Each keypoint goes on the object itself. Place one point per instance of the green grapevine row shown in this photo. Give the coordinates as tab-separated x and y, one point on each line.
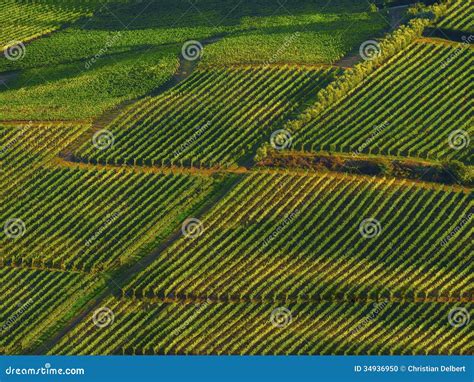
26	147
32	300
237	328
24	21
459	17
90	220
213	118
410	106
297	237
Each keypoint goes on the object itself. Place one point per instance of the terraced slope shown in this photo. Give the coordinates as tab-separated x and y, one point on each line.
237	328
309	237
419	104
33	301
214	118
91	220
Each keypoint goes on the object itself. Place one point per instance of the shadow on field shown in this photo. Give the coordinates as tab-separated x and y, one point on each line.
210	13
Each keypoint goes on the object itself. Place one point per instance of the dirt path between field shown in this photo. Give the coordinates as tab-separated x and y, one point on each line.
123	276
61	162
185	69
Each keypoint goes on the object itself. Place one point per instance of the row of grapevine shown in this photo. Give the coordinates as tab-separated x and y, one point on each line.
28	144
311	237
213	118
24	148
301	328
417	105
34	300
459	16
90	220
23	21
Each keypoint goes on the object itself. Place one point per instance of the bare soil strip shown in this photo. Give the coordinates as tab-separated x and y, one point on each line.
61	162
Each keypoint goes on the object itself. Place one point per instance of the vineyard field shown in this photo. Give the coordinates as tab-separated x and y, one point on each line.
114	214
211	119
371	119
33	301
237	328
74	92
222	177
24	146
286	238
297	37
23	21
459	18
